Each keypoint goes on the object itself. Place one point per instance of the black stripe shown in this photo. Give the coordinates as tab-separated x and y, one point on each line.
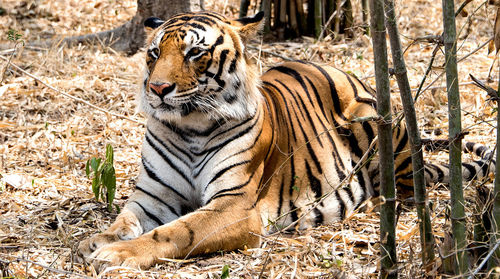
153	176
180	150
362	184
318	98
137	187
149	214
218	42
285	105
439	172
225	195
304	108
471	169
222	171
197	26
231	128
341	205
429	173
222	61
240	134
293	208
484	166
402	143
169	150
231	189
318	219
355	89
232	66
406	162
166	159
333	91
314	182
244	150
280	201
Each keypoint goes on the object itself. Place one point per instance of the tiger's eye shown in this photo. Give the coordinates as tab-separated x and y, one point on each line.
154	53
195	51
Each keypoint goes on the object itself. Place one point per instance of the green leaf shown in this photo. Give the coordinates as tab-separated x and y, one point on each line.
225	272
109	181
95	187
109	154
117	208
87	168
94	163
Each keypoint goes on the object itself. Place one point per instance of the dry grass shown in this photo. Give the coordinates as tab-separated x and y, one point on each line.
46	205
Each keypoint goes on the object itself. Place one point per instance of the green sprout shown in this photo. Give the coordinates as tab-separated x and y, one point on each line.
103	177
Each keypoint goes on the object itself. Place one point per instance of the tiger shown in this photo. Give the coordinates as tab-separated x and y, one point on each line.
229	156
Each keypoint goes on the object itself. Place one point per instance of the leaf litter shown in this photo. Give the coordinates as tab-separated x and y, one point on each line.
46	201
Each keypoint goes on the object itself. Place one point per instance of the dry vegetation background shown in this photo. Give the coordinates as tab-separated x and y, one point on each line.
47	206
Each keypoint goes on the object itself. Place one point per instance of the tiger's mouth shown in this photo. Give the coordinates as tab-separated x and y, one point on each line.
181	98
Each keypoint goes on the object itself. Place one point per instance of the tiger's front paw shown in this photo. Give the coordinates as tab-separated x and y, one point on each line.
88	246
135	253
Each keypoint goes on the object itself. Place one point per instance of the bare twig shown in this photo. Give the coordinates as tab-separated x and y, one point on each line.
484	260
461	8
71	96
489	90
434	52
458	61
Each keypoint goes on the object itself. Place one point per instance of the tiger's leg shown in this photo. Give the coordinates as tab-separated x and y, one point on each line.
125	227
226	223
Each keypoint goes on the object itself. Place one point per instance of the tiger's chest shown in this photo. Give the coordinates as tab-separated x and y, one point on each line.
184	164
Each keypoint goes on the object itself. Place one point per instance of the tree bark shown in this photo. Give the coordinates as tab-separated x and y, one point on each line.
495	259
388	260
455	129
130	36
426	238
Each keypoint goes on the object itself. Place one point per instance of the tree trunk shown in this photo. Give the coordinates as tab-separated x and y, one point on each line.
495	259
417	159
455	129
130	36
388	260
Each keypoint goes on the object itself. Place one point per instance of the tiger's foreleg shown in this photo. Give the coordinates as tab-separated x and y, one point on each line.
125	227
227	223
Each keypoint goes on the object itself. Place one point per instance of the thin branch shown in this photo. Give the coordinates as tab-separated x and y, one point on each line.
460	9
483	262
71	96
489	90
458	61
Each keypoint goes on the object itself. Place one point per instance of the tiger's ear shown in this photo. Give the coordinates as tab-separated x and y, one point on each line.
152	23
248	27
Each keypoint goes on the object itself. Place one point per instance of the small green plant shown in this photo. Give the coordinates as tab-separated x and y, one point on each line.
13	35
225	272
103	177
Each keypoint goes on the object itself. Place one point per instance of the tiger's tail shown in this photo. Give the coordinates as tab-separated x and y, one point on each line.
475	170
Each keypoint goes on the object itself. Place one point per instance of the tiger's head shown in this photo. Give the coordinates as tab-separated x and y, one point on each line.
196	64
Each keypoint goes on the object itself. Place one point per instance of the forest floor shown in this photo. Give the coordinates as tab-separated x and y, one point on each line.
46	202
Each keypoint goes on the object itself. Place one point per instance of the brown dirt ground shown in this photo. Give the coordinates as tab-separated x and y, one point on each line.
46	205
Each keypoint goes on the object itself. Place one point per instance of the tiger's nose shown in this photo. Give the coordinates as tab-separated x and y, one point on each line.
161	88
